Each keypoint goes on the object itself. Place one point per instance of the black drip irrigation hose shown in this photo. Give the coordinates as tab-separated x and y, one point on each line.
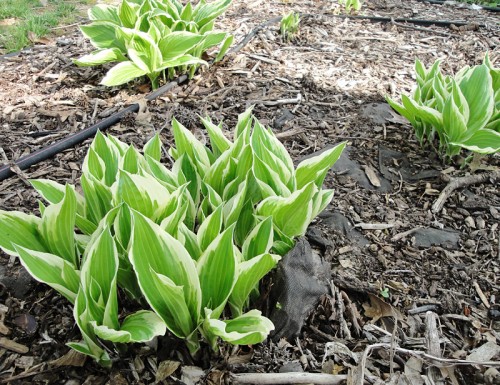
442	2
76	138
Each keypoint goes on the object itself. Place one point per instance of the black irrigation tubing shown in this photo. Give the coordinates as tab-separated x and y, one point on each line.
44	153
442	2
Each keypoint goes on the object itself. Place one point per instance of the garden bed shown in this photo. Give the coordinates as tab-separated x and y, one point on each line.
392	257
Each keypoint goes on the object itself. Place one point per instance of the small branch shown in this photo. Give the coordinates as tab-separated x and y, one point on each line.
288	378
457	183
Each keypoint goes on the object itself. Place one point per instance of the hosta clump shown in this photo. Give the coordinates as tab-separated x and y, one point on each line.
192	241
152	38
461	111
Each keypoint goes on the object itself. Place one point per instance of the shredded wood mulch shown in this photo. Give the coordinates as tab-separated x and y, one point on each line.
413	297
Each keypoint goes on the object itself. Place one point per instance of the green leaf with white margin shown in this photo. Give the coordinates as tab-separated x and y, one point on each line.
162	174
104	12
426	114
189	240
101	56
218	140
51	270
320	201
186	143
122	73
248	329
244	124
270	181
153	148
477	89
290	214
141	326
483	141
177	44
210	228
259	240
58	227
127	12
249	274
108	151
265	137
314	169
131	161
17	228
233	207
53	192
142	193
224	48
90	345
93	165
217	272
98	198
454	122
167	275
103	35
209	11
100	270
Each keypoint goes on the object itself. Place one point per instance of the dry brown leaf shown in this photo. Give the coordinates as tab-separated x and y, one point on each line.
71	358
165	369
372	176
378	309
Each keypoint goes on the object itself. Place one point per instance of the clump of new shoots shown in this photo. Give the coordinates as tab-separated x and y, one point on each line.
289	25
350	5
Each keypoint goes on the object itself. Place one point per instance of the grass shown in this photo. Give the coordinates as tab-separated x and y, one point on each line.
22	21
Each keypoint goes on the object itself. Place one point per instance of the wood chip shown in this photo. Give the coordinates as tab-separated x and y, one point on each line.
13	346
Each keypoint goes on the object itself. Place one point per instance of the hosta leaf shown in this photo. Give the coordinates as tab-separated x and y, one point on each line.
94	165
102	56
104	12
209	11
477	89
217	271
426	114
127	13
57	227
259	240
52	270
211	39
190	241
224	48
249	274
143	51
103	35
290	214
271	185
186	143
162	174
167	275
17	228
217	139
131	161
247	329
234	205
320	201
141	326
314	169
177	44
98	198
210	228
454	122
483	141
153	148
109	154
122	73
184	60
244	123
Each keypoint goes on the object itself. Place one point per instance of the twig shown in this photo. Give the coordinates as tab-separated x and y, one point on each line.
432	342
287	378
457	183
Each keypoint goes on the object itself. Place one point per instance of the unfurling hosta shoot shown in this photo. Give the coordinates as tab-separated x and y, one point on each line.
191	241
289	25
460	112
153	38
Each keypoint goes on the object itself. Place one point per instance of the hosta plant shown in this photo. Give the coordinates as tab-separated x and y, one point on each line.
289	25
152	38
460	112
191	241
350	5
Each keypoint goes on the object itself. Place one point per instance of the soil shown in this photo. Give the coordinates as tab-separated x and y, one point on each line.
412	288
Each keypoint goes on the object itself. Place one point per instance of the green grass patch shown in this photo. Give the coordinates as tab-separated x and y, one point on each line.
21	21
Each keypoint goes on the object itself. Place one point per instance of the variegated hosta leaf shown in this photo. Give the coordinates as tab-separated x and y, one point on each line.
141	326
248	329
52	270
210	228
153	148
57	227
142	193
259	240
249	274
217	272
218	140
167	275
314	169
186	143
483	141
292	214
17	228
98	198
